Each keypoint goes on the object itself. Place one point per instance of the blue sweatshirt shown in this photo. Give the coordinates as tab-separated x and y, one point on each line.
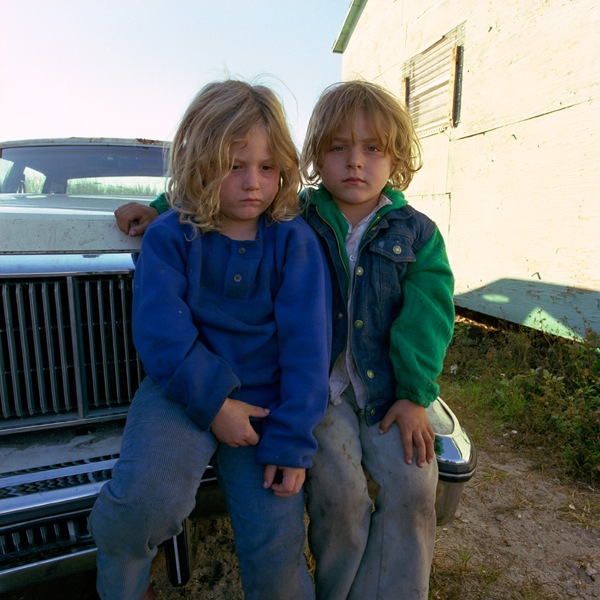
215	318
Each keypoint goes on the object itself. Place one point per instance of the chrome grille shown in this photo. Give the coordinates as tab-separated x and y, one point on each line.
66	351
28	540
56	477
44	538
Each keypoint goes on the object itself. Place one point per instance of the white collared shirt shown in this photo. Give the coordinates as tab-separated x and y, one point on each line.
344	371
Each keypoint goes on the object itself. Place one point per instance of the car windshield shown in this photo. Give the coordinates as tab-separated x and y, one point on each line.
85	169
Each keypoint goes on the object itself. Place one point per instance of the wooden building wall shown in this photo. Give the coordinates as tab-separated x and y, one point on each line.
514	185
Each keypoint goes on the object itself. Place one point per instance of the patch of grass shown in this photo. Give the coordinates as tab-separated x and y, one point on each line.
460	576
494	474
583	510
464	576
543	391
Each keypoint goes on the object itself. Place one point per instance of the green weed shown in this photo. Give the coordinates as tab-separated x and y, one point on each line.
542	388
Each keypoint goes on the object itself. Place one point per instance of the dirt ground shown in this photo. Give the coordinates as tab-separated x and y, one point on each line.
518	533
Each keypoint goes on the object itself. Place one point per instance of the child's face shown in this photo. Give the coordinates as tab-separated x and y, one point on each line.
355	169
250	187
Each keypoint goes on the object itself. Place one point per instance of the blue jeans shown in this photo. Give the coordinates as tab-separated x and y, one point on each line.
153	488
379	550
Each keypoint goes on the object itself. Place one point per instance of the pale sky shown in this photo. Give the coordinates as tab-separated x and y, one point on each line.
129	68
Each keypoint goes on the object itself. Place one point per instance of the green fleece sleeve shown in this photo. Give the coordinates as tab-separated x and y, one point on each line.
421	334
161	204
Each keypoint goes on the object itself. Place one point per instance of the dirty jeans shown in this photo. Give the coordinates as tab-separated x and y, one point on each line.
153	489
378	551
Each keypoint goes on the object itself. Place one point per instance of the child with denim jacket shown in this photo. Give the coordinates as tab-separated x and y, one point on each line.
231	322
393	318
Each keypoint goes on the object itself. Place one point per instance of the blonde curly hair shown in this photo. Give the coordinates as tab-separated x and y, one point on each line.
222	113
339	105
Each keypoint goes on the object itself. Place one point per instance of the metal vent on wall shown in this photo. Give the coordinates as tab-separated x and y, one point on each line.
432	82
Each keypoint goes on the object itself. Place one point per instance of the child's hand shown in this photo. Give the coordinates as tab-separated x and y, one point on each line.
284	481
415	430
133	218
232	425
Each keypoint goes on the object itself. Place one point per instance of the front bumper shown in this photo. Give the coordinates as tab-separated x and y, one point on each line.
49	482
456	458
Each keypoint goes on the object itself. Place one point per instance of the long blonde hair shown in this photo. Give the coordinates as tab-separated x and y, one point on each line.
339	105
223	113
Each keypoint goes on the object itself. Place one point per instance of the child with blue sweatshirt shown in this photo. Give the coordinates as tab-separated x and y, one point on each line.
231	322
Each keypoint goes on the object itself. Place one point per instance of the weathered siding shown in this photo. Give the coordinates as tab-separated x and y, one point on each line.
514	186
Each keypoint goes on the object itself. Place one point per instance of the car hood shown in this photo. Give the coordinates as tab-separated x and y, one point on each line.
63	224
85	202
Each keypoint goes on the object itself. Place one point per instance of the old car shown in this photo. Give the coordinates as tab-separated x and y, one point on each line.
68	365
67	362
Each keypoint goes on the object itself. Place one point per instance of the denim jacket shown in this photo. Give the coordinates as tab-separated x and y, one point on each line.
402	306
